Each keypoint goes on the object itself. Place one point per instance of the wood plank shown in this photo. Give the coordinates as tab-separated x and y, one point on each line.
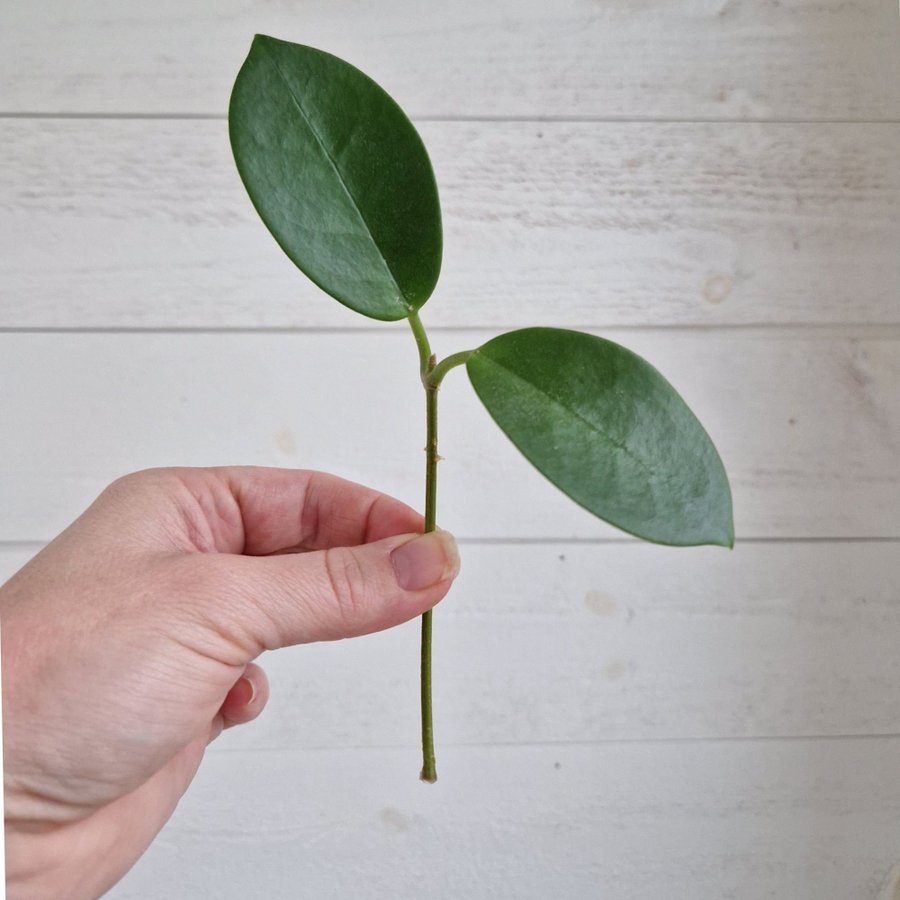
146	224
572	643
743	820
806	423
703	58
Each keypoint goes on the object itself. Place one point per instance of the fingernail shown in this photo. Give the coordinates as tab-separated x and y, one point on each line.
425	560
244	691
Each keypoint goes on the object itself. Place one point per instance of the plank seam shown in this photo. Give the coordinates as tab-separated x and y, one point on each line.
868	330
537	120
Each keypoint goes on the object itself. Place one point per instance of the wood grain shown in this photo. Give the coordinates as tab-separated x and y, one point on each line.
145	224
737	820
731	59
806	423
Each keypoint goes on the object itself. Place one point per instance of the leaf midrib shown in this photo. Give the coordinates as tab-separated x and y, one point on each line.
322	146
575	415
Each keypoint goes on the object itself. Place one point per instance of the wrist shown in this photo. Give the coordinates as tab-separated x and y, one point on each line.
54	864
33	869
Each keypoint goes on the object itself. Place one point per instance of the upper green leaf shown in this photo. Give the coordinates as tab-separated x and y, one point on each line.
339	175
605	427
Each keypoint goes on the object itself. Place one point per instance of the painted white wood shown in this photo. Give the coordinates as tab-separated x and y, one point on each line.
798	59
806	423
573	643
146	224
738	820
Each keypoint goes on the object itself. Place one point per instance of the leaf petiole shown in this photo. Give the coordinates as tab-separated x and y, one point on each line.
436	375
426	357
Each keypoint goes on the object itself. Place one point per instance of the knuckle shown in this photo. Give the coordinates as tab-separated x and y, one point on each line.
347	584
121	487
136	482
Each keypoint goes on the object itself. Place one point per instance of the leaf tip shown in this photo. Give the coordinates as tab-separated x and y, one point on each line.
726	537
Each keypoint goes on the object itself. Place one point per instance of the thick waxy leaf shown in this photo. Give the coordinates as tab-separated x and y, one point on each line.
605	427
339	176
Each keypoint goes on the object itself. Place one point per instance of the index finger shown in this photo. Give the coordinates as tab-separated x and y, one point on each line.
295	509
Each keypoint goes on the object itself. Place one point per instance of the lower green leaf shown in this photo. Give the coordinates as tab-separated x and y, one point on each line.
607	429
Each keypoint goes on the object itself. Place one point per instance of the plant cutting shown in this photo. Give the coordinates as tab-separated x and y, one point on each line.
342	180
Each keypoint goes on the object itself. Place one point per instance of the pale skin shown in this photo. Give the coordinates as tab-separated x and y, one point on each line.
128	644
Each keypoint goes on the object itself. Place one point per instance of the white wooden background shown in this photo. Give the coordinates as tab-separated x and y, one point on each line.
715	183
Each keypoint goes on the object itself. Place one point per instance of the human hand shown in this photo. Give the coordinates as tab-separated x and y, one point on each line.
128	644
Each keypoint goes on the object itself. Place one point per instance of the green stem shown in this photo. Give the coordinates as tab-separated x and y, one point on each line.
432	374
427	364
429	771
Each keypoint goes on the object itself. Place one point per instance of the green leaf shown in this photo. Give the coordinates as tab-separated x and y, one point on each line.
339	175
607	429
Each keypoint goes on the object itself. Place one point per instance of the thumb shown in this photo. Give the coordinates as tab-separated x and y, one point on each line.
343	592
